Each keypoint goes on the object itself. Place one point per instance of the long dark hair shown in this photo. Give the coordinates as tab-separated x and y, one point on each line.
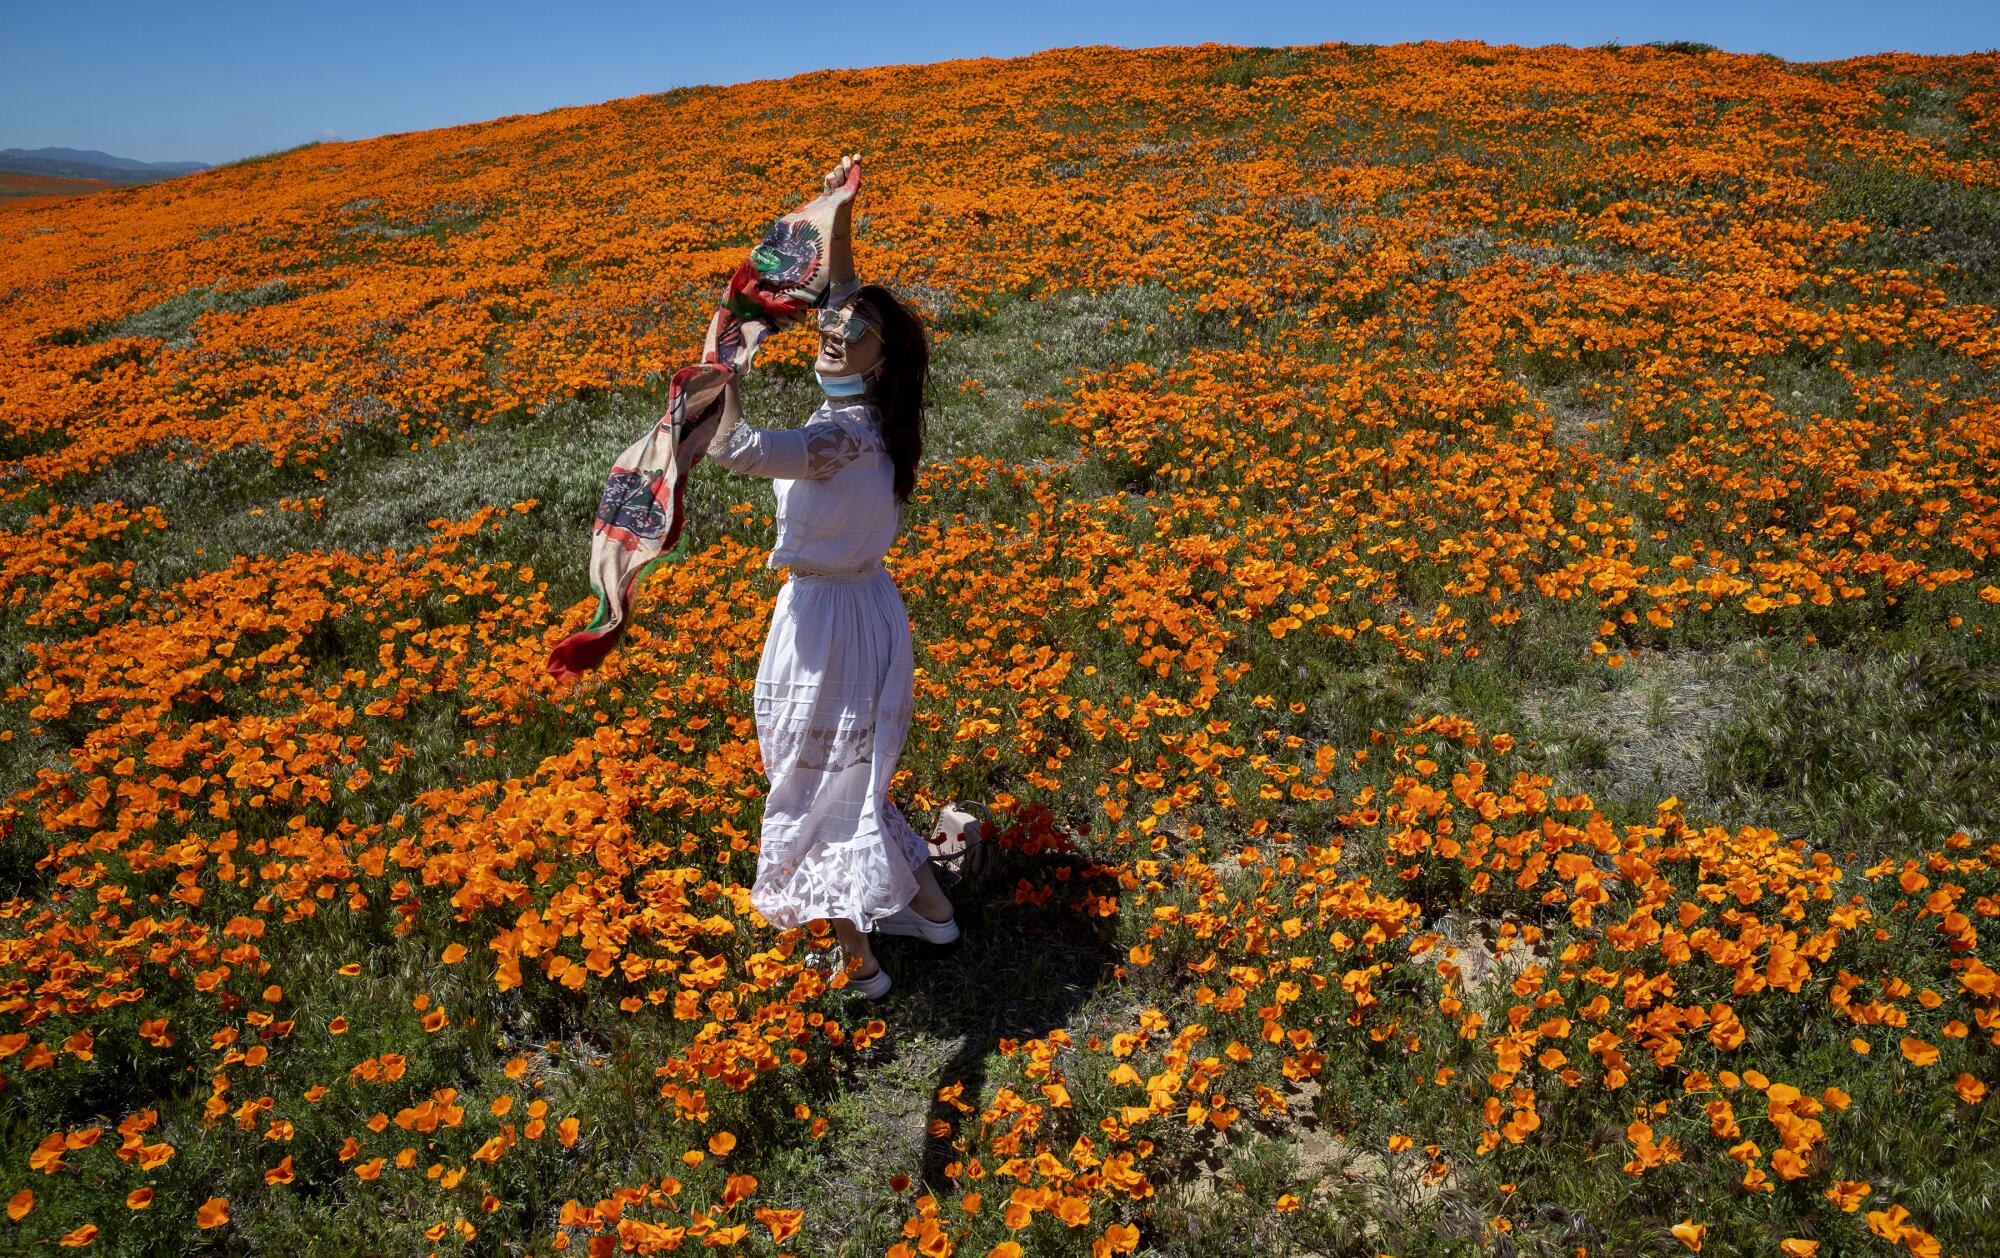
899	390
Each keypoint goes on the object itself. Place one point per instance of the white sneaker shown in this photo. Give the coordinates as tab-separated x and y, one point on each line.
874	987
907	921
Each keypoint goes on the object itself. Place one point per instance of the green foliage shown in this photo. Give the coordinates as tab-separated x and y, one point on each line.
1250	65
173	320
257	159
1873	741
1924	224
1866	752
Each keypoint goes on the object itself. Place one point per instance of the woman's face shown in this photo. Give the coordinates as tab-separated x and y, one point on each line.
841	357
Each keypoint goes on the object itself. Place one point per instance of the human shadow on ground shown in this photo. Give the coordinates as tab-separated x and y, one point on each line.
1026	961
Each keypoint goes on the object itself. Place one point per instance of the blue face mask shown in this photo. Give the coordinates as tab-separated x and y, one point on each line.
843	386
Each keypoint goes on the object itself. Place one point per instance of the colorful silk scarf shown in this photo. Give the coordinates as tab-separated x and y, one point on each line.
638	524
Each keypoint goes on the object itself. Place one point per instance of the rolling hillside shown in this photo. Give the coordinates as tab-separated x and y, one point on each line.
1466	574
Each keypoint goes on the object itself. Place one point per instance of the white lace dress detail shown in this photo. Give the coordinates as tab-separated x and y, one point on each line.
836	683
815	451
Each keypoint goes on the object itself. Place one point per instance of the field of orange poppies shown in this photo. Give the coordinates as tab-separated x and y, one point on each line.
1467	576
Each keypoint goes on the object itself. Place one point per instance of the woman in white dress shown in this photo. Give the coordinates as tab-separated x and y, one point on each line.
835	686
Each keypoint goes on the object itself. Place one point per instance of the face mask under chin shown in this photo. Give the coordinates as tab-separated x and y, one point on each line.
853	385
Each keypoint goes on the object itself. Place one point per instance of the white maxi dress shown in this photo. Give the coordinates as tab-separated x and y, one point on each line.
835	687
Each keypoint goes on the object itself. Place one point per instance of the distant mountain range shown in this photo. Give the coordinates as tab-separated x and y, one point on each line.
90	164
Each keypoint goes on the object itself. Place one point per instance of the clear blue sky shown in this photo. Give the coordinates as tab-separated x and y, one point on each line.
215	80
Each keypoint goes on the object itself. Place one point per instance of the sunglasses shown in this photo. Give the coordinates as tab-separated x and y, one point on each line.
845	323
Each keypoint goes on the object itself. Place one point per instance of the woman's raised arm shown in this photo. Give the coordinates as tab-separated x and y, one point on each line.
817	450
842	283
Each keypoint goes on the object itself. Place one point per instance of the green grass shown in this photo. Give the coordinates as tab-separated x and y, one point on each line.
1860	749
1251	65
1857	749
1927	225
173	320
257	159
1875	740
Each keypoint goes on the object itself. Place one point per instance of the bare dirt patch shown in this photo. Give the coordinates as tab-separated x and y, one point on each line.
1638	733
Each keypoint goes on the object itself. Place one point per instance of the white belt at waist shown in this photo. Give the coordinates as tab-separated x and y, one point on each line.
820	572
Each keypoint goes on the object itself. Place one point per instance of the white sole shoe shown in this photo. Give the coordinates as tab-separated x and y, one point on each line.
907	921
874	987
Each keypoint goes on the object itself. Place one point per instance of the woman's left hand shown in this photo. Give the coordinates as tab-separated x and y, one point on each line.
846	176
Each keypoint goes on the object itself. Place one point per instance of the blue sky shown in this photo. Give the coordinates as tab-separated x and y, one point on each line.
215	81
